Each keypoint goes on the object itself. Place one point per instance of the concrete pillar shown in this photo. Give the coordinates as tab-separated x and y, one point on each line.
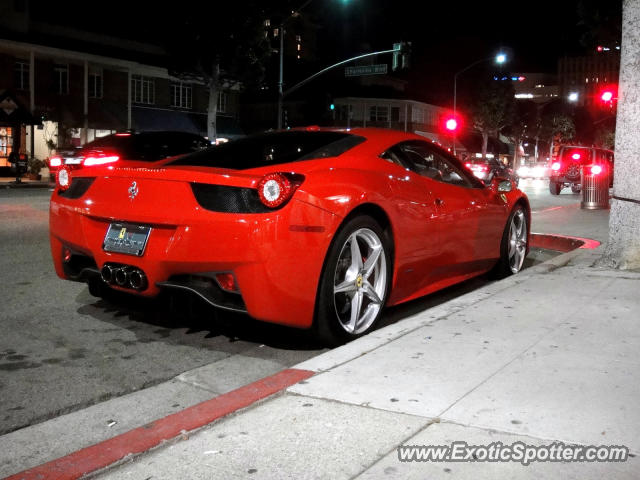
623	248
85	111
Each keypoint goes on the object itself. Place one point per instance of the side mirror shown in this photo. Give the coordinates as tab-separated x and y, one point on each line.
501	185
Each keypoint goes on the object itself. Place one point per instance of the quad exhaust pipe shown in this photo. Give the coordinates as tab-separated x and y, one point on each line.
124	276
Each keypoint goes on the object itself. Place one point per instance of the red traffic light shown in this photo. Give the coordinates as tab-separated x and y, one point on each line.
451	124
607	96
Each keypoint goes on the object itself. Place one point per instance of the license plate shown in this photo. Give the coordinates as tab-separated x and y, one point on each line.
126	238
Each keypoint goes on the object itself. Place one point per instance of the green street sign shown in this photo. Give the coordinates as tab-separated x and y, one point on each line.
379	69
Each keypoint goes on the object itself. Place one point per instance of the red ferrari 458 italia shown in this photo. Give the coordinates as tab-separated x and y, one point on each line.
308	227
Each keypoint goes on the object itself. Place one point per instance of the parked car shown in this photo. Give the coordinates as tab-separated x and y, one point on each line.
133	149
488	168
567	165
307	228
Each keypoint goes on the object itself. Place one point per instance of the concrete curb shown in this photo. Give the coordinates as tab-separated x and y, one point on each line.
140	440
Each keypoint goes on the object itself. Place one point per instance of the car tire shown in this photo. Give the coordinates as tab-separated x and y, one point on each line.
347	282
514	244
554	187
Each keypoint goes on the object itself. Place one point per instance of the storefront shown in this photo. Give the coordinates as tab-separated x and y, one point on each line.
14	119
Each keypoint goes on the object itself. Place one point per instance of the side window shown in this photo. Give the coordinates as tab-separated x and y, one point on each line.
426	161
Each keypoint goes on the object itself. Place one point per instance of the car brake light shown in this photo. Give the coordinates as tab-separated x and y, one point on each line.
596	169
468	165
63	178
555	166
274	189
99	160
55	161
576	156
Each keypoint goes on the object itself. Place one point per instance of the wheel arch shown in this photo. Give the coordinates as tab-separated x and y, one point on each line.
378	213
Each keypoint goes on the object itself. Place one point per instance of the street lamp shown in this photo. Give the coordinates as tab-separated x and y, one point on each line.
500	58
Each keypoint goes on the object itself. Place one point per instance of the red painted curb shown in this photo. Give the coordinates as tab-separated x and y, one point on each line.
141	439
561	243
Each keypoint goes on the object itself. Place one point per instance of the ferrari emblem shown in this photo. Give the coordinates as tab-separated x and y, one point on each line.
133	190
122	233
502	196
359	281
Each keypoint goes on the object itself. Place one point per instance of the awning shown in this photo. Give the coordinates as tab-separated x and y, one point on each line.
152	119
12	112
445	140
473	143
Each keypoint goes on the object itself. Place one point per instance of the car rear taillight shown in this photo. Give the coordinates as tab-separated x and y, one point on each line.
274	189
99	159
63	178
555	166
596	169
576	156
55	162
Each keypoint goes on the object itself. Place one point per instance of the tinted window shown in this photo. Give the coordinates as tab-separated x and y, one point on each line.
272	149
150	146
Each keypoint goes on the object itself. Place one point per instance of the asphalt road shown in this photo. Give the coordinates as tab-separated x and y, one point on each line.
62	349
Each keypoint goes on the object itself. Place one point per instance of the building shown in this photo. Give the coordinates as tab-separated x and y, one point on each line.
581	79
412	116
99	85
537	87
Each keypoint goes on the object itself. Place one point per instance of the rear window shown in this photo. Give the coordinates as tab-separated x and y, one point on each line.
272	149
151	146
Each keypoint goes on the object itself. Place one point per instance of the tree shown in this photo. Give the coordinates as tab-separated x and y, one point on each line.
557	128
493	109
217	43
522	124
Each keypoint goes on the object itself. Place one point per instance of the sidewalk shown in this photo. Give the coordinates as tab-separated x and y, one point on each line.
10	182
550	354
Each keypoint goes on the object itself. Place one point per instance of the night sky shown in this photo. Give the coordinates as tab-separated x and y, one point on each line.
446	36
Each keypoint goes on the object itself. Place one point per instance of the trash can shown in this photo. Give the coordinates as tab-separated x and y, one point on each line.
594	181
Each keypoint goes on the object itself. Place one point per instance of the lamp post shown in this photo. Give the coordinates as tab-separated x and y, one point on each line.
500	58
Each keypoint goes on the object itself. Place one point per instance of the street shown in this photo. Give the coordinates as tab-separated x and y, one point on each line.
63	350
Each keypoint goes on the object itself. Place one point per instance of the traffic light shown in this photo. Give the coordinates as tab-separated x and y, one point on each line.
451	124
401	55
608	95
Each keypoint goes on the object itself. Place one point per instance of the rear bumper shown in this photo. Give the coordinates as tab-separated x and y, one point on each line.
276	258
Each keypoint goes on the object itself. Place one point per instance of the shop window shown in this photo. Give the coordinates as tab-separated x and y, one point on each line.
6	142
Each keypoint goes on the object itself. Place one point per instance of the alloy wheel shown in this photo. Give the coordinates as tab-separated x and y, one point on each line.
360	281
517	241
